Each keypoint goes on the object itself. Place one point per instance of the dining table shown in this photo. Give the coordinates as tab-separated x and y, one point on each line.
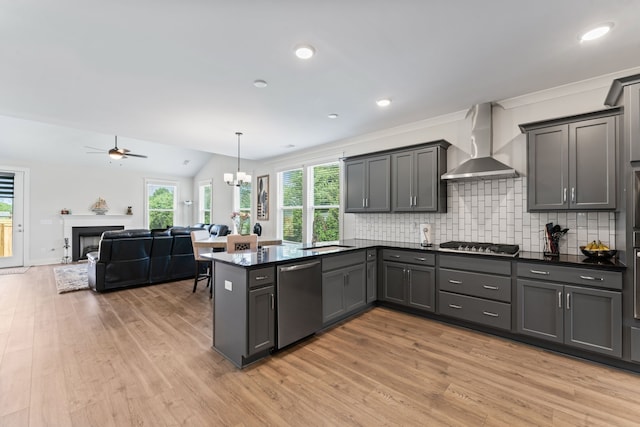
221	242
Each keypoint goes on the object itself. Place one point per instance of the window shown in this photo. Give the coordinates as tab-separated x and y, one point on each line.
290	196
204	202
245	206
311	212
161	204
324	202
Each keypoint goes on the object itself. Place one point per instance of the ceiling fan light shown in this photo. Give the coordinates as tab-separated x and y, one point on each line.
115	155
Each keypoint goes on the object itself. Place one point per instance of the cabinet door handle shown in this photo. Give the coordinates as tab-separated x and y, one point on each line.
568	301
367	202
415	200
455	282
544	273
564	195
457	307
363	203
559	299
573	194
592	278
410	201
491	288
273	302
489	313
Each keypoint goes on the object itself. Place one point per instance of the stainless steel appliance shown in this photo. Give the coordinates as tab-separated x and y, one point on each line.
299	295
481	248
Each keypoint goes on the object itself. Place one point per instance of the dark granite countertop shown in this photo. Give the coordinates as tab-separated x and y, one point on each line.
298	252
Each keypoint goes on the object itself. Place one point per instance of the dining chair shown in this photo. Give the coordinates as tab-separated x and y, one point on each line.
239	242
200	260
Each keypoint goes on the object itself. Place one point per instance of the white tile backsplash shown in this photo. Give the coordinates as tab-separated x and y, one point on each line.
490	211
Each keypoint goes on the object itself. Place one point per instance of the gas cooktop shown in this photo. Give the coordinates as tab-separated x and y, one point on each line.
481	248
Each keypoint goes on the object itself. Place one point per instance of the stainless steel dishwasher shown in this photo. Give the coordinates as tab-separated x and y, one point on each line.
299	296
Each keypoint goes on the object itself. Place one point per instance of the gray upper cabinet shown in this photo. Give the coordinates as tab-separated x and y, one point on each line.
571	162
632	126
415	179
367	186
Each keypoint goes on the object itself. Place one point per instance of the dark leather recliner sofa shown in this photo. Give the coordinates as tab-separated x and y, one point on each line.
136	257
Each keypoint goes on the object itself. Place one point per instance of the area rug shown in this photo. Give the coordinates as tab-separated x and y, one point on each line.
71	278
13	270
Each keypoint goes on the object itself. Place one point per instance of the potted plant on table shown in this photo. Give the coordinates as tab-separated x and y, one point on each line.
241	222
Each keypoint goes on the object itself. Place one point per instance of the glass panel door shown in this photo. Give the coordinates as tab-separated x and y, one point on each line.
11	219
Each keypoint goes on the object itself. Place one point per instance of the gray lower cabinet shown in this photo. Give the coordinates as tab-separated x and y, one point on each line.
372	276
587	318
571	162
475	289
367	184
344	285
409	279
244	318
261	319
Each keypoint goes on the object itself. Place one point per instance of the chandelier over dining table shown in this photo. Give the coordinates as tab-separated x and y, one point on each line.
240	177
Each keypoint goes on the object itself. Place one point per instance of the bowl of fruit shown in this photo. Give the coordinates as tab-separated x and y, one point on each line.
597	249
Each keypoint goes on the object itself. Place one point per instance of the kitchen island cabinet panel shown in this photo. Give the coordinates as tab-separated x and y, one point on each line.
261	319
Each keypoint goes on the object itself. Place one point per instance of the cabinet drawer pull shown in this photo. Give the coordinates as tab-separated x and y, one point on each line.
457	307
420	259
394	256
544	273
261	277
490	314
592	278
491	288
455	282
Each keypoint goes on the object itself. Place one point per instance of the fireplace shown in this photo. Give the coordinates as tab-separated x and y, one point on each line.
86	239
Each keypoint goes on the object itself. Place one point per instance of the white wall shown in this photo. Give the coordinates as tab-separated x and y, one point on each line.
54	187
223	195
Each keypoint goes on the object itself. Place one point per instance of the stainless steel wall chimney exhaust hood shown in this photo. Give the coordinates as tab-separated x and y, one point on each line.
481	165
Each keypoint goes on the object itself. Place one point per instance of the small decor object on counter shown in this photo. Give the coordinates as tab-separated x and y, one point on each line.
100	207
598	250
129	211
425	235
552	235
241	222
66	258
65	211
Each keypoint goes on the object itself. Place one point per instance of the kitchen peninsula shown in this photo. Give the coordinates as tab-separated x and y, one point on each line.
568	304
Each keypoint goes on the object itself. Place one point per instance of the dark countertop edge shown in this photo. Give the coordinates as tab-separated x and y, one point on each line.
362	244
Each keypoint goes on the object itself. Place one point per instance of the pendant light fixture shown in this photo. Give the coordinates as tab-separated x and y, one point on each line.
241	177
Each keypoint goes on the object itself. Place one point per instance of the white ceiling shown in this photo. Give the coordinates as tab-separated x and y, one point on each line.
181	73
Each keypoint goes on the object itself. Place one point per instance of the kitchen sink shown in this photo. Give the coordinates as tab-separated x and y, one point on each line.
326	248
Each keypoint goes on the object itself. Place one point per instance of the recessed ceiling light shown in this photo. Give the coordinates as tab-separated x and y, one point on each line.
333	116
305	51
385	102
596	33
260	83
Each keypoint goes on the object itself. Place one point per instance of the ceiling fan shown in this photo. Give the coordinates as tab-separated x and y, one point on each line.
115	152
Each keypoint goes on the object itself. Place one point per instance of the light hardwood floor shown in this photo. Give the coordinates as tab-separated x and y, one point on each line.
143	357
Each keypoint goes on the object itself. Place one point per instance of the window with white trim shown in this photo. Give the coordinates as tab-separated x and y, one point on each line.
161	204
204	202
309	203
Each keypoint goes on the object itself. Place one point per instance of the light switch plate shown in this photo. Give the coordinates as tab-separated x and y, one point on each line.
228	285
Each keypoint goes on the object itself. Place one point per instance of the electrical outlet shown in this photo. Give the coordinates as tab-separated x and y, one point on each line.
228	285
